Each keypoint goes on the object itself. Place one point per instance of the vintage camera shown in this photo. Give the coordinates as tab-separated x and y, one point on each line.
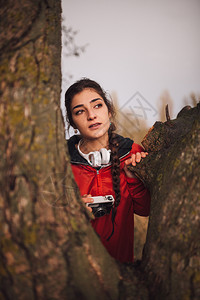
102	205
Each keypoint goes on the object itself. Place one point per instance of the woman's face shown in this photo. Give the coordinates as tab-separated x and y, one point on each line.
90	114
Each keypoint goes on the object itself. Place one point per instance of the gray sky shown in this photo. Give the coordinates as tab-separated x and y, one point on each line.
143	51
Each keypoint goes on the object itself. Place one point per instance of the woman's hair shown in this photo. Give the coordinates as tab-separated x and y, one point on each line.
78	87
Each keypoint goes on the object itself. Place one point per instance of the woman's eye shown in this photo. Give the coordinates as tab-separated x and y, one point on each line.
98	105
78	112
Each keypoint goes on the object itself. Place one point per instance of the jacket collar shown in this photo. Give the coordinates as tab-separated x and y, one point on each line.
125	145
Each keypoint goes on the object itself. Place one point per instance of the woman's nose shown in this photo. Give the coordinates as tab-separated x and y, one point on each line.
91	115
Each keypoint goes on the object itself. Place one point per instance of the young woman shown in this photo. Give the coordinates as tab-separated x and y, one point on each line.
99	160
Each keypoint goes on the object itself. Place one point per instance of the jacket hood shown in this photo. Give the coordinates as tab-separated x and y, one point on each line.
125	145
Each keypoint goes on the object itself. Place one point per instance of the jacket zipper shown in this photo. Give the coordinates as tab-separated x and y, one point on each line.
98	181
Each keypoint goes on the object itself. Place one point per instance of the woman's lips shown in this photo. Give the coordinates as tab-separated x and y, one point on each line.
95	126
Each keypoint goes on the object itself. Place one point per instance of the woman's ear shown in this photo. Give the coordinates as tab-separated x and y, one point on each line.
75	128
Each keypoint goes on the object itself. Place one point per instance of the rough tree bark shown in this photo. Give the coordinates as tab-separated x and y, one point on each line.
48	248
171	260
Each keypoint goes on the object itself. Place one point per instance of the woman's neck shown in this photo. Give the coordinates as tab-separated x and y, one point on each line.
88	145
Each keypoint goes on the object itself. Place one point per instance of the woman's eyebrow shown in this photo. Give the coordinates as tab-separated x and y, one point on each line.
93	100
80	105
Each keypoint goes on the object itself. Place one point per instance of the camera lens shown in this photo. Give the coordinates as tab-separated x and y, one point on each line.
100	212
109	198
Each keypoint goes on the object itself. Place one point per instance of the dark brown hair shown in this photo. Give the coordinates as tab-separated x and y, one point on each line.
78	87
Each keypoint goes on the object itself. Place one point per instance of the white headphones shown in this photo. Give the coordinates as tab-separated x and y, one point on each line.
96	158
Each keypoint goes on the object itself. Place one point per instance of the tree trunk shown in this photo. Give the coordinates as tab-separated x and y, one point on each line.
171	259
48	247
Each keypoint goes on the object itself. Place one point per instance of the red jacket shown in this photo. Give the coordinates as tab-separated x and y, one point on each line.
135	198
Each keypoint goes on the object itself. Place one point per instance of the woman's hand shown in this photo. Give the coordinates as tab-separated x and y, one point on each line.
135	158
87	199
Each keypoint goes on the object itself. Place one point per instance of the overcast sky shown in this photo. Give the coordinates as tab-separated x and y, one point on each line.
141	51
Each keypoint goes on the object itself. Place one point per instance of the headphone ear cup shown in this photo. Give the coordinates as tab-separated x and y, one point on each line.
105	156
95	158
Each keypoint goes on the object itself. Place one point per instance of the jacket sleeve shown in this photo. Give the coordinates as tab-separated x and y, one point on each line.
140	195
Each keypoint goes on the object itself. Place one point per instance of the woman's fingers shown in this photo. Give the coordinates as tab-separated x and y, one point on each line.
87	199
133	159
136	158
140	155
89	208
128	161
144	154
